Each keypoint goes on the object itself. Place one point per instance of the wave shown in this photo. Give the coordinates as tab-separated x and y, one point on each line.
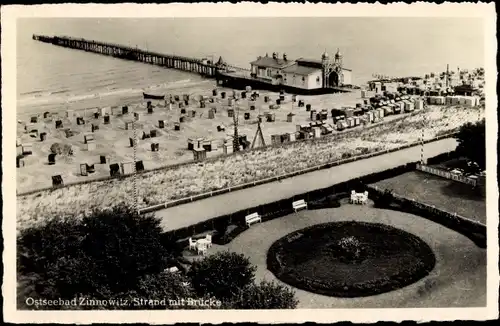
32	93
55	97
62	91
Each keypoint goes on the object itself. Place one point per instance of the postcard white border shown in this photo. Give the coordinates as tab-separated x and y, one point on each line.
245	9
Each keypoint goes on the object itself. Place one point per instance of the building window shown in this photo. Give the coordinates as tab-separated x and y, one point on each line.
317	80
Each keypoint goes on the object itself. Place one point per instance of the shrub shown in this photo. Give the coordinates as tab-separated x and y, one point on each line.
228	234
157	289
105	253
350	249
471	140
385	199
266	295
61	149
222	275
346	155
324	203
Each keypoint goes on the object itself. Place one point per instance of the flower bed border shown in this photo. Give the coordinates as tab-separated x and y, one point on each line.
344	289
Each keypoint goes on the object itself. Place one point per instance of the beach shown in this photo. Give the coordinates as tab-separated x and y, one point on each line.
112	140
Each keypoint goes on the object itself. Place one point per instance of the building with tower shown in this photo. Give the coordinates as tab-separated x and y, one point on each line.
322	75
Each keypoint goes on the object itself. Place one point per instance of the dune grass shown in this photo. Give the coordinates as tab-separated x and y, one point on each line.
164	185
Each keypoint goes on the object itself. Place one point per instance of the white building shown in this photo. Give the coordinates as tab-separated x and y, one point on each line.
302	73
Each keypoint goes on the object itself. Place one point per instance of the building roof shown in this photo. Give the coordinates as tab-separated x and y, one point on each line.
271	63
314	63
310	62
300	70
221	61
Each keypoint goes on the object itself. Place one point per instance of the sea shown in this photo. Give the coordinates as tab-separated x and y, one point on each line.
387	46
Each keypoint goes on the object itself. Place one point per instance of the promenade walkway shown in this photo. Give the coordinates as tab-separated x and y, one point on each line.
191	213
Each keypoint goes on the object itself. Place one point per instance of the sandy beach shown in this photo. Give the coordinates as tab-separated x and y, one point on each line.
112	140
194	178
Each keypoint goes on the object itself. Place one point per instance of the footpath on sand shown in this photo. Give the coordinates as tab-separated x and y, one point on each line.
191	213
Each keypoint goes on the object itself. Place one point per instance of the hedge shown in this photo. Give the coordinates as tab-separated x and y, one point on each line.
471	229
283	207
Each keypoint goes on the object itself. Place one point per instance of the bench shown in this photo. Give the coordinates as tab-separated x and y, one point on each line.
252	218
299	204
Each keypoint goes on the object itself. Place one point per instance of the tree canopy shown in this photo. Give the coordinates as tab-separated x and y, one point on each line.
222	275
116	255
471	139
266	295
105	253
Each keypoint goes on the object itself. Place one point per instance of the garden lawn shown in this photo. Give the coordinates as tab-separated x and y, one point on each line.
458	279
448	195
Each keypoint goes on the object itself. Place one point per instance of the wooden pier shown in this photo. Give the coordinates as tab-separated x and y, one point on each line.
199	66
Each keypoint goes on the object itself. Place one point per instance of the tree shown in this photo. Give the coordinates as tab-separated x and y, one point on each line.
222	275
471	139
385	199
104	253
158	291
266	295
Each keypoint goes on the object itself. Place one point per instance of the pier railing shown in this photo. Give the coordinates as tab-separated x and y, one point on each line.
193	65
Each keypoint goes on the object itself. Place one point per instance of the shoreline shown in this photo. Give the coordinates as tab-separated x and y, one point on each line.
56	104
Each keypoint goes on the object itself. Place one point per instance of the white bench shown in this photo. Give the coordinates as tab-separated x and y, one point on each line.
252	218
299	204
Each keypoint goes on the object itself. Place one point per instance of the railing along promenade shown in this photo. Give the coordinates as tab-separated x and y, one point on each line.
193	65
447	175
322	166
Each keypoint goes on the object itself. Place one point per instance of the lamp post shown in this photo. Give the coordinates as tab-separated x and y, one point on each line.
422	141
236	141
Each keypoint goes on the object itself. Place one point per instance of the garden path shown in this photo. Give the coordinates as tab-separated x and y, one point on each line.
191	213
458	279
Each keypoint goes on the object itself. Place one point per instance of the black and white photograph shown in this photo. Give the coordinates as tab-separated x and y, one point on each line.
249	162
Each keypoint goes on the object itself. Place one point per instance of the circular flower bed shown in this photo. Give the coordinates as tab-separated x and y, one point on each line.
350	259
